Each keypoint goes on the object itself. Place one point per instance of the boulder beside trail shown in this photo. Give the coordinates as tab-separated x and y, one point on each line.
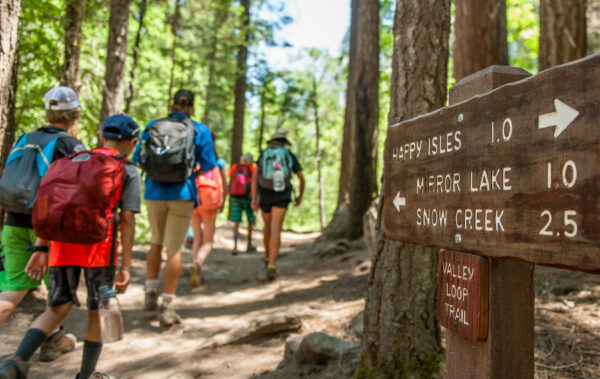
319	347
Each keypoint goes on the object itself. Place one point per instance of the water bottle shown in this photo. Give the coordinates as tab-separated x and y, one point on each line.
111	322
278	178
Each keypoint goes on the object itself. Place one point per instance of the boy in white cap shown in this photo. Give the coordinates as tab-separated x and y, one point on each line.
45	145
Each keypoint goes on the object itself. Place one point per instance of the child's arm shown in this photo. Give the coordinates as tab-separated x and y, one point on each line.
127	221
254	190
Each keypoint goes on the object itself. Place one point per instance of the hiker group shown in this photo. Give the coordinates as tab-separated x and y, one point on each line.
70	210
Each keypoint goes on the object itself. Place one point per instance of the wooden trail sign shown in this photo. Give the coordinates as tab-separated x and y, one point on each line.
512	173
463	294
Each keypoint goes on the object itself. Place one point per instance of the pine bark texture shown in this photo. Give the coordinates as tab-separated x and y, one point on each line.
136	54
10	20
71	75
365	116
319	157
563	32
480	36
347	143
401	331
116	53
239	107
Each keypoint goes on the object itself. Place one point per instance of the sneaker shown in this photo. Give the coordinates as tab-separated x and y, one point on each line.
271	273
57	344
168	317
17	370
195	275
151	301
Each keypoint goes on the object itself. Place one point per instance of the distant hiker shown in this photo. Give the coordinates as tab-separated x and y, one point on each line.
240	190
272	191
168	151
212	191
79	195
27	163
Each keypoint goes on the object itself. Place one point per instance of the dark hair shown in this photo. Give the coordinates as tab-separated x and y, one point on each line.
66	117
183	108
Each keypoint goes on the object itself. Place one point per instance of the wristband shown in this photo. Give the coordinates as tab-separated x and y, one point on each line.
128	269
35	249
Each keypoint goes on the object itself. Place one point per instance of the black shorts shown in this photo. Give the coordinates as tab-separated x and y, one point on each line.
63	282
269	199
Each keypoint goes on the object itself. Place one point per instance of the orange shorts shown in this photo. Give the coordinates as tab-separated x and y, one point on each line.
205	214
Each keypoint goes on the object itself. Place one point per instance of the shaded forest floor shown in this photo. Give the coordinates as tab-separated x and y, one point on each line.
323	293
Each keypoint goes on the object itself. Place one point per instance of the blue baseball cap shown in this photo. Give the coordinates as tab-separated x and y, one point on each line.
120	127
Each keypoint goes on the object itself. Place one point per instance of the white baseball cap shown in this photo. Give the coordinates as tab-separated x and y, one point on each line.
61	98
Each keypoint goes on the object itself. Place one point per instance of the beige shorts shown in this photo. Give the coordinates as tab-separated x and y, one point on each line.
169	222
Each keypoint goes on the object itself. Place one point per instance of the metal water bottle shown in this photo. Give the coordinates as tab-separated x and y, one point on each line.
278	178
111	321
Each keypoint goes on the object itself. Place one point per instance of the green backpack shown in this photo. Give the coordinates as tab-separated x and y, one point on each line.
274	171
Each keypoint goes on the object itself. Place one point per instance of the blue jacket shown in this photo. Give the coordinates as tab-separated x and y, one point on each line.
205	157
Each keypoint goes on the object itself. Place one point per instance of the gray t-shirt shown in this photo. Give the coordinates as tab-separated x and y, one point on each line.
131	196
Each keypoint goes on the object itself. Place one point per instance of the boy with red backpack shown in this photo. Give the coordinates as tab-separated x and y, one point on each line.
240	186
97	220
26	164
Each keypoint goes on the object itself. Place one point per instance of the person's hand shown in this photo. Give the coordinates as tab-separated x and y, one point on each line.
298	201
123	278
254	204
37	265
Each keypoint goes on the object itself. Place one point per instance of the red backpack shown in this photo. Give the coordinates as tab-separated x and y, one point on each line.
210	189
78	197
241	179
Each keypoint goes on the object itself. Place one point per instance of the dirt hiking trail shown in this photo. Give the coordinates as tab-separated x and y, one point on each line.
236	324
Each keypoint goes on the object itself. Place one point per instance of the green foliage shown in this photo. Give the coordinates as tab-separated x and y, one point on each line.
523	31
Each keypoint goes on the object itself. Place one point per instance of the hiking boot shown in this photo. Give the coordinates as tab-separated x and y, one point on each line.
195	275
271	273
168	317
151	301
17	370
57	344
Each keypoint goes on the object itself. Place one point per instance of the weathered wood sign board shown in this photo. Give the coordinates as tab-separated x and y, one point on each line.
512	173
463	294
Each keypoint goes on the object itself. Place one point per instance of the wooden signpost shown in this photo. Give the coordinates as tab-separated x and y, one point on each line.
511	173
506	171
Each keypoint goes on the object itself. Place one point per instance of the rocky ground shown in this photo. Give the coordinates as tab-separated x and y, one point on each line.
236	324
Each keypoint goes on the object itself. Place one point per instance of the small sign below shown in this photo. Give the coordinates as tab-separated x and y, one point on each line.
463	294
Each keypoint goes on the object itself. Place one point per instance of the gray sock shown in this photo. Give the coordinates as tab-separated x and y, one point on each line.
91	353
33	339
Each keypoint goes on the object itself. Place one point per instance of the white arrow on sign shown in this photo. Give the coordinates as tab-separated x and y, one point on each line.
399	201
562	118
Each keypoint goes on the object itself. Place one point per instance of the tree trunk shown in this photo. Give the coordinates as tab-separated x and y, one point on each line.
480	36
365	116
239	109
563	32
116	53
401	333
347	143
71	76
10	22
261	131
175	31
319	153
219	18
136	53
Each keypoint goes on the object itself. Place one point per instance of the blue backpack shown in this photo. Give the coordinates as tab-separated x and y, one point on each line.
26	164
275	160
